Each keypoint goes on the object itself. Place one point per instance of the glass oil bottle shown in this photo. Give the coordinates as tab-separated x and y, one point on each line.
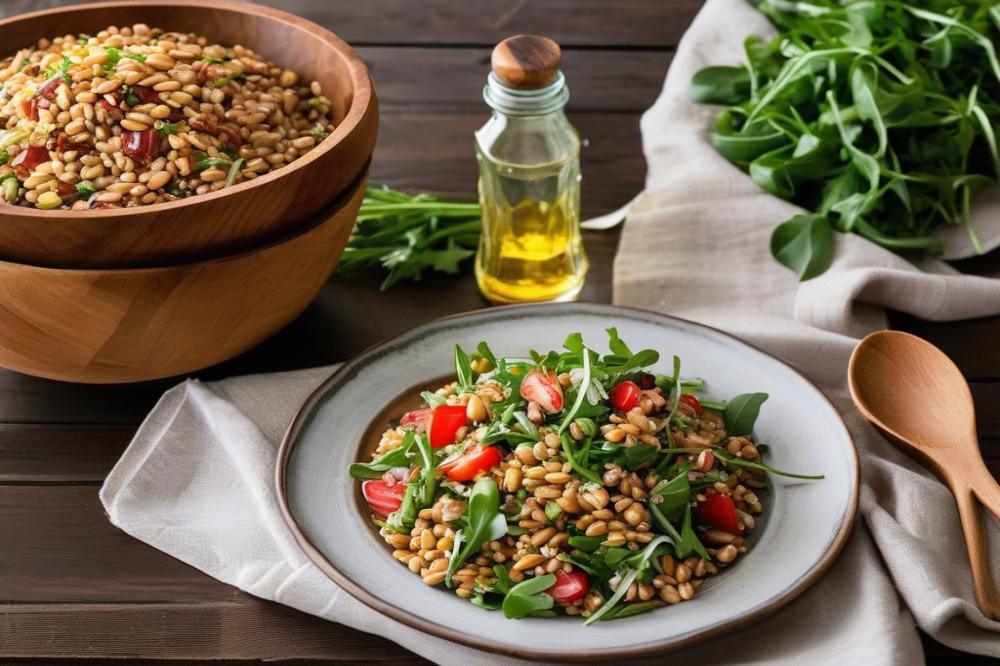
529	179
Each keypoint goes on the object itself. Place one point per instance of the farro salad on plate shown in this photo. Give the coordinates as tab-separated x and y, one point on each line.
569	483
138	115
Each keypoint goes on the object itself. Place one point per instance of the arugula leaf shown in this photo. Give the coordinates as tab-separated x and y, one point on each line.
463	369
623	586
408	235
741	413
720	85
568	449
485	523
804	244
398	457
676	494
528	597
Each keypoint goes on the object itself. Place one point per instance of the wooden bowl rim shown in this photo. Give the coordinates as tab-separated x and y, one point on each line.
324	216
360	104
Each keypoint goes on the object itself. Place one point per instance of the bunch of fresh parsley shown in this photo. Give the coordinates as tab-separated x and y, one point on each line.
878	116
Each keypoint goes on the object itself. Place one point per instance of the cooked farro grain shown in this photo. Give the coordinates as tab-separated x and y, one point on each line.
135	115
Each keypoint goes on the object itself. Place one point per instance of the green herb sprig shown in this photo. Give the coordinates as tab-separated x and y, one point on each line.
878	117
408	235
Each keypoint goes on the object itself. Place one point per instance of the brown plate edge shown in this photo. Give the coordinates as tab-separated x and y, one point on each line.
373	602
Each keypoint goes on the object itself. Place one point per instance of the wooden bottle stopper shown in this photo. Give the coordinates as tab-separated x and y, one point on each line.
526	61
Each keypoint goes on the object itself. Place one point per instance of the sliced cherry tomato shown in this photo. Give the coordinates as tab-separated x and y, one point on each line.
142	145
692	402
445	422
569	587
477	459
625	395
542	387
382	497
31	157
418	419
719	512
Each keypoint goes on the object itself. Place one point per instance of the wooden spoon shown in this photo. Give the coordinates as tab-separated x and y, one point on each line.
916	396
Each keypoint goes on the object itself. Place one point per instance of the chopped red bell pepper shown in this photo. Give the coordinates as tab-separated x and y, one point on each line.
718	512
445	422
31	157
142	145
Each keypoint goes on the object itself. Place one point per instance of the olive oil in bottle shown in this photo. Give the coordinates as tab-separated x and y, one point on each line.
529	179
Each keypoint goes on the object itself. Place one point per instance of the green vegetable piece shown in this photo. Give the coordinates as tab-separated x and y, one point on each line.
528	597
804	244
741	413
721	85
485	523
398	457
463	369
552	511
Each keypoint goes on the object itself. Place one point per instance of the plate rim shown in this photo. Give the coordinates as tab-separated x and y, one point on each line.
295	427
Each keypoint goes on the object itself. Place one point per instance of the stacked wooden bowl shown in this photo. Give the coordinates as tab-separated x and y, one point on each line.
131	294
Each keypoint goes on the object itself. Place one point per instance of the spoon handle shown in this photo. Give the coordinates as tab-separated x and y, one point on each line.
987	490
975	542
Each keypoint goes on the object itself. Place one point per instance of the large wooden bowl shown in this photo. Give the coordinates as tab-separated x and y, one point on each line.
128	325
221	222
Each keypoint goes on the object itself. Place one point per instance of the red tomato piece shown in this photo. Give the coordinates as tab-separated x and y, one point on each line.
108	106
146	95
625	395
382	497
31	157
142	145
718	512
467	466
542	387
418	419
445	422
693	402
569	587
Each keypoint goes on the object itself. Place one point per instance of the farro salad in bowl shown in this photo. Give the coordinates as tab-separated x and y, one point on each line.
518	478
572	483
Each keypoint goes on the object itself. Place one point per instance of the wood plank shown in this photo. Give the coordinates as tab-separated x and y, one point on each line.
598	81
33	453
971	344
246	628
623	23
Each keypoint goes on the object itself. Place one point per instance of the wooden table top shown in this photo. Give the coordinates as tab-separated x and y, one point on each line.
73	587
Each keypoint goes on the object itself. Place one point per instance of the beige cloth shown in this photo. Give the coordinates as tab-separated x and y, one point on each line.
696	245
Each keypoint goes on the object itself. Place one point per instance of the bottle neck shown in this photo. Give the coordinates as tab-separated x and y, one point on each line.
516	102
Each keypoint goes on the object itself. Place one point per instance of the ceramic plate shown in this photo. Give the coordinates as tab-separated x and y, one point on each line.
803	528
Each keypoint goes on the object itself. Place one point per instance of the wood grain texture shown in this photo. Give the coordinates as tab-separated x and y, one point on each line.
218	223
408	78
526	61
147	323
634	24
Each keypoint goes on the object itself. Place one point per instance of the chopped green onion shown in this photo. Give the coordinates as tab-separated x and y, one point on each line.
234	171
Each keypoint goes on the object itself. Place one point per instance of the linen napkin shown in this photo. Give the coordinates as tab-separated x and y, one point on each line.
196	482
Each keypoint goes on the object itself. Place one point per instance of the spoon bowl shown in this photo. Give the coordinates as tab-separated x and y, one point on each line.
913	393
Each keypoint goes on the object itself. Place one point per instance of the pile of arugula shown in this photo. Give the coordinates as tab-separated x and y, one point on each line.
876	115
407	235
